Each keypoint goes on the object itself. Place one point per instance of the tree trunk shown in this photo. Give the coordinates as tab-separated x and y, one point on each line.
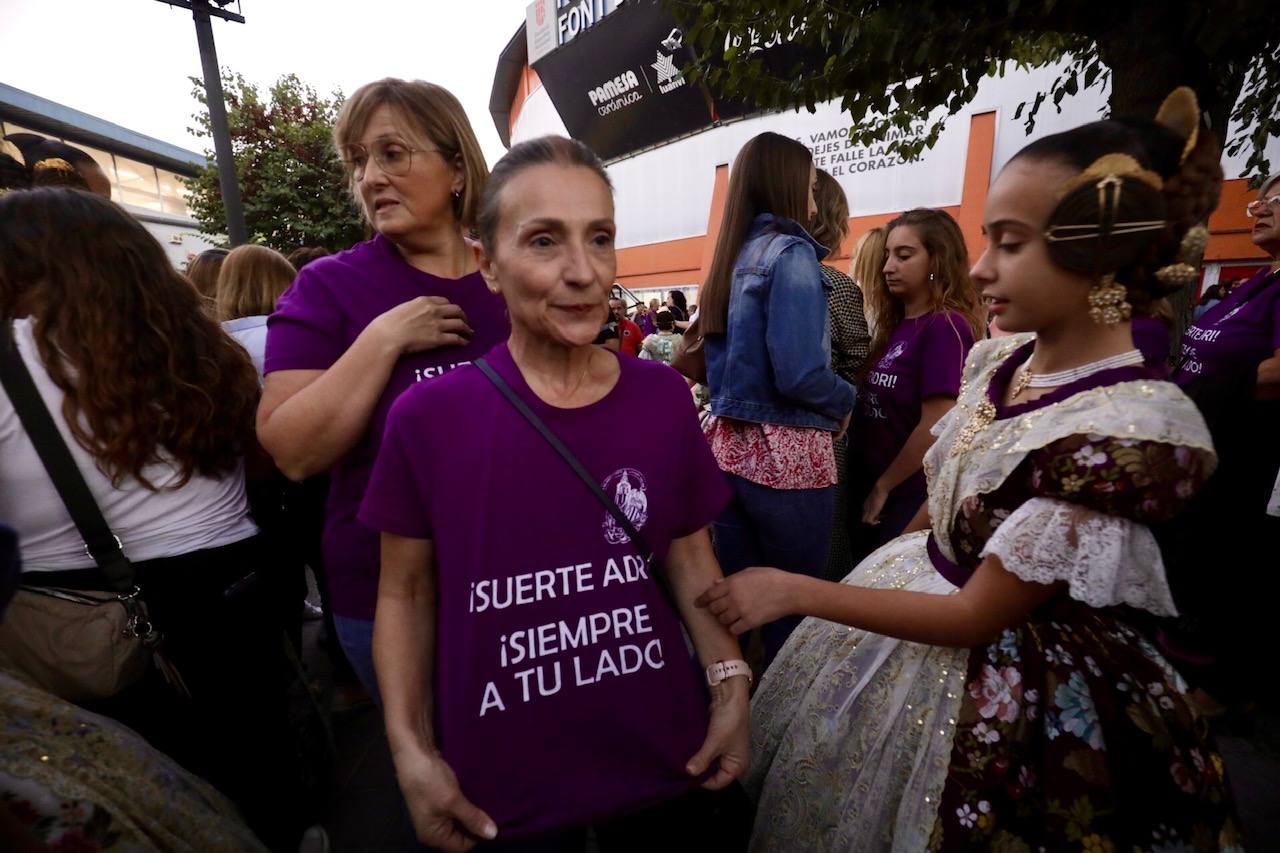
1151	49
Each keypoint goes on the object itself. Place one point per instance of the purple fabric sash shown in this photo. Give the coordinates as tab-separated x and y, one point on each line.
955	575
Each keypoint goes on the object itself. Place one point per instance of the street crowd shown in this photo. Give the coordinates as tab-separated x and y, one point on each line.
914	551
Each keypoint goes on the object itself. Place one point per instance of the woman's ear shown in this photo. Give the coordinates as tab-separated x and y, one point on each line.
459	175
485	263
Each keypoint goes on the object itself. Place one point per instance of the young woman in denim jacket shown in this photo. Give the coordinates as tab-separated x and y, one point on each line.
776	404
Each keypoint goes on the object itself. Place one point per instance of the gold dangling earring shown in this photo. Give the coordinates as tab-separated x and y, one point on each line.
1109	302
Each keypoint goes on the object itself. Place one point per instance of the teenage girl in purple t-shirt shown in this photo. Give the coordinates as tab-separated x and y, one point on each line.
358	328
927	314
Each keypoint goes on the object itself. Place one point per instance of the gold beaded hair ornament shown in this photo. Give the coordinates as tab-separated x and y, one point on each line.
1107	216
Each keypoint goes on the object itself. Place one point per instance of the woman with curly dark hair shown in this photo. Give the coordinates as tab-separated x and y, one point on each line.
156	405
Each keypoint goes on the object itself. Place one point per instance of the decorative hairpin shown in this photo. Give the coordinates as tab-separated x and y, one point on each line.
1186	270
1107	177
1180	112
56	164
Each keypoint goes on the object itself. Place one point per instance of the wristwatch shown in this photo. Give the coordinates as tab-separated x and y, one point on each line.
722	669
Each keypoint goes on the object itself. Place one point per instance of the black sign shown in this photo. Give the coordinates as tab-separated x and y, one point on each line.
618	86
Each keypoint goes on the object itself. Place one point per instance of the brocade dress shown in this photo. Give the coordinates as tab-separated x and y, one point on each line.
1069	731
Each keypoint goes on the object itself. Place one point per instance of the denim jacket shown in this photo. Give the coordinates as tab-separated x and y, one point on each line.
773	365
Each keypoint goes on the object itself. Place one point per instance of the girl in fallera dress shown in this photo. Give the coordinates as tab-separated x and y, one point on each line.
978	683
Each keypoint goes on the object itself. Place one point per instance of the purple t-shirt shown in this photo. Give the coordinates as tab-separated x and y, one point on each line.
1244	328
1151	338
924	358
316	320
564	691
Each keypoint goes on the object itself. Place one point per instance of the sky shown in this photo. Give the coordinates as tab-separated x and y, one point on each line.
127	61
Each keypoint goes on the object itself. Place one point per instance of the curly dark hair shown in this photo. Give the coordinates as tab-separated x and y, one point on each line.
147	375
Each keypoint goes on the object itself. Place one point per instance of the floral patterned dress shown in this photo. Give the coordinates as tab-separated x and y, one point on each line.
1069	732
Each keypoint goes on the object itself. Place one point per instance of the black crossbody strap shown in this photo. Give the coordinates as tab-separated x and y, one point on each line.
651	560
100	542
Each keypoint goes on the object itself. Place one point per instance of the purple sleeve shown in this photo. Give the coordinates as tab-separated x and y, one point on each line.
306	330
1275	318
704	491
946	342
394	500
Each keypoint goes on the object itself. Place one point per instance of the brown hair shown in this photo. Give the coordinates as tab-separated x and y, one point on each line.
950	287
251	280
304	255
831	224
769	175
146	374
203	269
431	115
534	152
868	259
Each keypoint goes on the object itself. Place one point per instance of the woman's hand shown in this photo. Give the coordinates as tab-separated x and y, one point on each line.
442	817
874	504
424	323
844	425
727	738
750	598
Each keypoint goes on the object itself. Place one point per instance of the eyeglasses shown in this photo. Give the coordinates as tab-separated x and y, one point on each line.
394	158
1260	206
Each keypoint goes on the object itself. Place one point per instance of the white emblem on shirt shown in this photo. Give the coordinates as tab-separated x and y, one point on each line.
892	355
626	487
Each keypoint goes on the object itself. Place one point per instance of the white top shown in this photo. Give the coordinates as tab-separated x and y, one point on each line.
250	333
204	513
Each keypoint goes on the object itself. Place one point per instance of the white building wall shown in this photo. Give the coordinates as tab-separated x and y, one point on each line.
665	194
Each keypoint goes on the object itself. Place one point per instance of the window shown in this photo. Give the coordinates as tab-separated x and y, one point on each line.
138	184
173	195
104	159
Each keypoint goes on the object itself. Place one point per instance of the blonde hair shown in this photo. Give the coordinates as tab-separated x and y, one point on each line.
831	223
950	287
431	114
251	280
868	258
203	269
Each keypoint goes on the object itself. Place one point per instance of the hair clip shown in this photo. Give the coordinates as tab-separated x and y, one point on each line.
56	164
1180	112
1186	270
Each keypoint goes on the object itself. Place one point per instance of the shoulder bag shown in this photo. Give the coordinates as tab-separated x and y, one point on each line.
79	644
689	357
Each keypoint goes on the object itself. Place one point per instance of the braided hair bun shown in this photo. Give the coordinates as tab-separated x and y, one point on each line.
1143	184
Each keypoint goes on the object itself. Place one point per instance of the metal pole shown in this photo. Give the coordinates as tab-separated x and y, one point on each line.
218	119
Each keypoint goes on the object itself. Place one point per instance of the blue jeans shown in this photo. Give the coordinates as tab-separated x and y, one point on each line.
356	638
785	528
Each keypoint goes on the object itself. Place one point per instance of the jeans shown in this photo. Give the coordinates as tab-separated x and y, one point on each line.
356	637
788	529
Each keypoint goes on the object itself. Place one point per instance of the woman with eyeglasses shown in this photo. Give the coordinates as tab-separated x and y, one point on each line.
1230	366
359	328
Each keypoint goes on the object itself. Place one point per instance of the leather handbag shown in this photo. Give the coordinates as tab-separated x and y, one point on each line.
79	644
689	357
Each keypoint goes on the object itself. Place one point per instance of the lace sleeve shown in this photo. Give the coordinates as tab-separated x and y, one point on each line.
941	424
1103	559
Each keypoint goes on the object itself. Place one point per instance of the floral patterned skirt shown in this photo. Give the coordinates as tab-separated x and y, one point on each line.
1068	733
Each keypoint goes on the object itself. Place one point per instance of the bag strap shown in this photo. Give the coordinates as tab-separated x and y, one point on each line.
100	543
650	559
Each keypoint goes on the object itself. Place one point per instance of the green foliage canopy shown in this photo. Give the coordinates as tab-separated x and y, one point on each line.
892	62
291	181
